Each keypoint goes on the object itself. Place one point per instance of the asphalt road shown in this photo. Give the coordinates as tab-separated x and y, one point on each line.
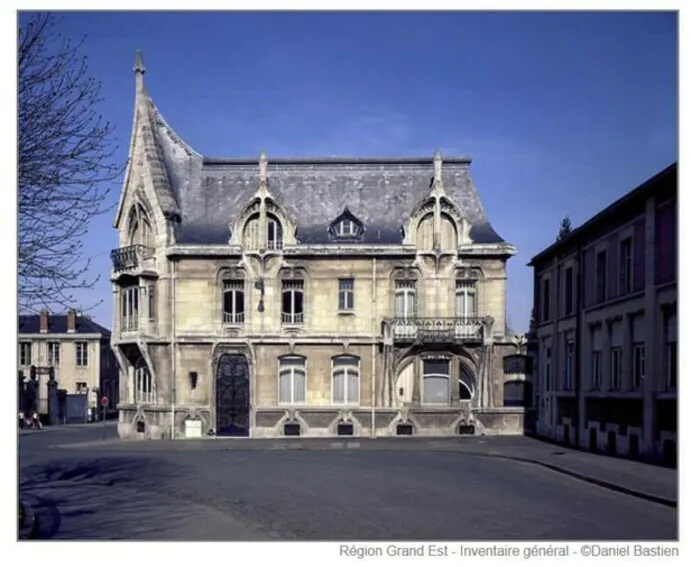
82	489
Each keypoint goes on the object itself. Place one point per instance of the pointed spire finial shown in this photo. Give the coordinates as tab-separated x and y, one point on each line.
139	67
437	163
263	167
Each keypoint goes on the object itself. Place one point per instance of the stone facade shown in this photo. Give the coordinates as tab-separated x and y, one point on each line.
318	297
606	328
76	348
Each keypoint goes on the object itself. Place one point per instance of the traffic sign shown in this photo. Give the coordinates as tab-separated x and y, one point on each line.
104	401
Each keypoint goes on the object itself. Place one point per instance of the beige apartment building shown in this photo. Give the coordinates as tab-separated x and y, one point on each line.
314	297
75	347
606	326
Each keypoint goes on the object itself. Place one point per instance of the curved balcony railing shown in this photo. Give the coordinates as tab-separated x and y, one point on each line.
436	329
130	256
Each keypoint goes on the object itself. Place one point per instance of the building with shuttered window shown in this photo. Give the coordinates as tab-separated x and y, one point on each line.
606	327
321	297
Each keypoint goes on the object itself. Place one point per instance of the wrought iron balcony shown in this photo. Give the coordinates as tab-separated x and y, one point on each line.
130	257
429	330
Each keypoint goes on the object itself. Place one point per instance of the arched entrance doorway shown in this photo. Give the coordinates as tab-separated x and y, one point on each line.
233	396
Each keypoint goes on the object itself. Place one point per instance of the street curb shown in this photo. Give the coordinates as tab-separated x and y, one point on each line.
28	526
586	478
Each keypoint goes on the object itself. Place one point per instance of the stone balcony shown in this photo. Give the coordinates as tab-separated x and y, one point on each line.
435	330
133	260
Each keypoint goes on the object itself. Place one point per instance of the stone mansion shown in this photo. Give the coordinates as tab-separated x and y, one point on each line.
313	297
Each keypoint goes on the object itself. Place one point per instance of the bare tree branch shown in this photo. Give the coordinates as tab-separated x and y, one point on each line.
64	164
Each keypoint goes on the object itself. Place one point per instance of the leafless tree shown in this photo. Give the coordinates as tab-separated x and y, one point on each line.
64	163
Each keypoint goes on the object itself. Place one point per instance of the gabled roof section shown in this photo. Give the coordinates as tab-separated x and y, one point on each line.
58	324
381	192
207	194
163	151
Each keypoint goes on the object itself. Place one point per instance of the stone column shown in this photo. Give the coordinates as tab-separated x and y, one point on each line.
454	382
417	378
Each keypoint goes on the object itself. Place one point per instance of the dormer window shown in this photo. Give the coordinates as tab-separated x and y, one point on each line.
347	226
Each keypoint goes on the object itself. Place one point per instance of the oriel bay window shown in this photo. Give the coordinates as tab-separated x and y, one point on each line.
130	308
292	302
346	380
233	302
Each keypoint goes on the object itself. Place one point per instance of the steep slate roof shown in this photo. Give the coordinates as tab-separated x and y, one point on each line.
207	194
30	324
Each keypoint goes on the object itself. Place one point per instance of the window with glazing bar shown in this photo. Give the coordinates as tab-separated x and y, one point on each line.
233	302
292	302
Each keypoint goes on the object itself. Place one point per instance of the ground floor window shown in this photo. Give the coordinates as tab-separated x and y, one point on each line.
145	392
514	393
292	380
436	381
346	380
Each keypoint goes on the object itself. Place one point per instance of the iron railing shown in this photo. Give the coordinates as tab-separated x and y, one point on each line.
292	318
436	329
234	318
130	256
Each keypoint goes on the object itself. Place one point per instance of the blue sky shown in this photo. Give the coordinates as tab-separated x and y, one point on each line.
562	113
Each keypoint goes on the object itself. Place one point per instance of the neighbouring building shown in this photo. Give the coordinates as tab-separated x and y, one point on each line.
77	349
606	327
319	297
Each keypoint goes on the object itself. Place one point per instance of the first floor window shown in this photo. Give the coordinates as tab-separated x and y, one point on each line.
638	366
292	302
81	354
671	365
346	295
615	368
151	302
405	299
597	370
292	380
569	366
466	298
53	353
233	307
130	308
436	381
81	388
145	391
25	354
346	380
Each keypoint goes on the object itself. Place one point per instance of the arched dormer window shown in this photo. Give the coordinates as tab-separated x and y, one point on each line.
139	227
424	234
346	227
273	234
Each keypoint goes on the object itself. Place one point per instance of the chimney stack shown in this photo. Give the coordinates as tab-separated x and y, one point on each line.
72	316
44	321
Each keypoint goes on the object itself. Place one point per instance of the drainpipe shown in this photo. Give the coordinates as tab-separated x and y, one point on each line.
374	344
172	349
